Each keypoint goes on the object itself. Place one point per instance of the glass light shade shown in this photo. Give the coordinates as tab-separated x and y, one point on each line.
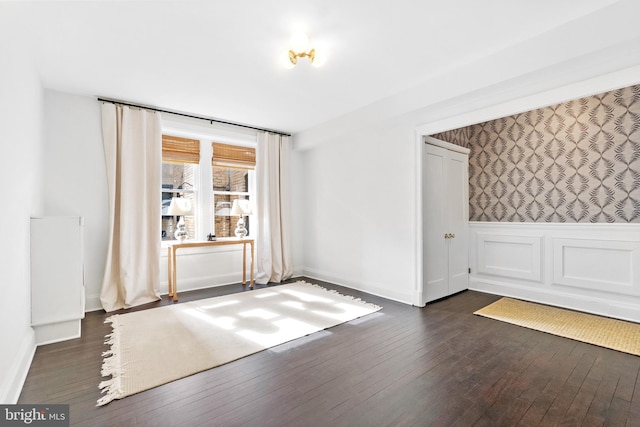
286	62
319	58
299	42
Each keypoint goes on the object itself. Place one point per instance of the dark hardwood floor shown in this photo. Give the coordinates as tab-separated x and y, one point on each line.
403	366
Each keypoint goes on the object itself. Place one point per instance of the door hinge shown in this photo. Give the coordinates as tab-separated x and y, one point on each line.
469	270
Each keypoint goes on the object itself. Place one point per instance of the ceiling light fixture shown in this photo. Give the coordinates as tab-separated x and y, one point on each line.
300	47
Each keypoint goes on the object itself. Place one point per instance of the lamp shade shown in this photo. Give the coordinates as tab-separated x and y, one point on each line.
241	207
299	42
180	206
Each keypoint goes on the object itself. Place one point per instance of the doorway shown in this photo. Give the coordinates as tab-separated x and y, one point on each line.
445	219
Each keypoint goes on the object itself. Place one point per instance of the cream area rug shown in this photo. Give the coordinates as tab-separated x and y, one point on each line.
602	331
159	345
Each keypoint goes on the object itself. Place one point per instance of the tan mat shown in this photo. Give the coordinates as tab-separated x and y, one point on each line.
156	346
602	331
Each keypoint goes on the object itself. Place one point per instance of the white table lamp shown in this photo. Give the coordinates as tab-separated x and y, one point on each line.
242	208
180	206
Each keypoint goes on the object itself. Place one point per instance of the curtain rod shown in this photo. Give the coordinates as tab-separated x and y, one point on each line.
193	116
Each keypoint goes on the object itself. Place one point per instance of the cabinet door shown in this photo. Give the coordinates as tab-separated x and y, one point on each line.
445	222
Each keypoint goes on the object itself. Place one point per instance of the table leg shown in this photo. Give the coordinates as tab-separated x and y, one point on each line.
169	272
251	272
175	274
244	263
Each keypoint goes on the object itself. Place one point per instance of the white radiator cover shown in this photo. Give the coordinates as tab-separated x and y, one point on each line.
57	278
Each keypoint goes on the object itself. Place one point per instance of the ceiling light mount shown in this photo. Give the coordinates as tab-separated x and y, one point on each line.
300	47
293	56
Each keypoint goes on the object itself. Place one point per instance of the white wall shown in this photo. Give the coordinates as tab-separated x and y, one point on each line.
361	209
20	169
298	193
358	210
75	182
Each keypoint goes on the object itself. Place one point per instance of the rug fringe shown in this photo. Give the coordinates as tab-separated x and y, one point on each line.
349	297
111	364
132	370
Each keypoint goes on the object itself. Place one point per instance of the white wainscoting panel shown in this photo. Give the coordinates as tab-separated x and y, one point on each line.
512	256
596	264
587	267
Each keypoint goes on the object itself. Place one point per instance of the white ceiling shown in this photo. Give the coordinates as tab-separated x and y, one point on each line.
222	58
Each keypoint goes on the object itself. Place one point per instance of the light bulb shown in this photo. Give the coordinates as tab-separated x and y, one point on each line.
299	42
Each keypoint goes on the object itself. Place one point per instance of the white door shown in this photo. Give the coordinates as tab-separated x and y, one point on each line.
445	222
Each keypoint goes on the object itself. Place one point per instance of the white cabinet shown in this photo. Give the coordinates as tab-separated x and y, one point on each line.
445	220
57	278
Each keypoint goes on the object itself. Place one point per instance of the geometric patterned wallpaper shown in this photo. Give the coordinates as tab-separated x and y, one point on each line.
578	161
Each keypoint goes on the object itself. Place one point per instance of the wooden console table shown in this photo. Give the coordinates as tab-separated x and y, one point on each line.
172	265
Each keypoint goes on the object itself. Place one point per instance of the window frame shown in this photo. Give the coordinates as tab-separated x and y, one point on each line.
249	194
195	191
203	179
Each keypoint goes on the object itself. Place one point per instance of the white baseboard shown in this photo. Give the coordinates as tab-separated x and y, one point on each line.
298	271
92	303
195	283
418	299
16	374
368	287
589	304
56	332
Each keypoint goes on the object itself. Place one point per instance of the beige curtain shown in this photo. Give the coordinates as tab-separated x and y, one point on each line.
133	150
273	245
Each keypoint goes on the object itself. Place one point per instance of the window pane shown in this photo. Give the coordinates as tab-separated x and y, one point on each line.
178	181
178	176
169	223
168	228
227	179
190	220
222	209
226	224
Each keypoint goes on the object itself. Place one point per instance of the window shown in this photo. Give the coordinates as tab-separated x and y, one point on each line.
192	166
232	172
180	159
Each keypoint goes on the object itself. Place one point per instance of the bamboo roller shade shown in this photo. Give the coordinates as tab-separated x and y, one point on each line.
233	156
180	150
